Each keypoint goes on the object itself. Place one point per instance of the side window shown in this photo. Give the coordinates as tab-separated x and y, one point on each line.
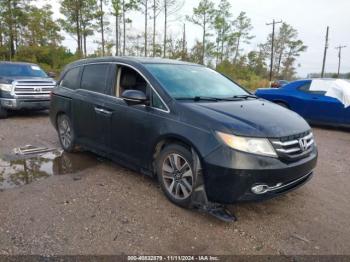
156	102
71	79
306	88
127	78
130	79
95	78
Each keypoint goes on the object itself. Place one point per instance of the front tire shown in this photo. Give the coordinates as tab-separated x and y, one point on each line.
66	133
175	174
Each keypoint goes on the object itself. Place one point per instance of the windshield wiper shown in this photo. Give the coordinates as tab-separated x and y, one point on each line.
198	98
245	96
207	98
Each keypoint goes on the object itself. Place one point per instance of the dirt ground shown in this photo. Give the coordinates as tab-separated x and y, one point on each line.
81	204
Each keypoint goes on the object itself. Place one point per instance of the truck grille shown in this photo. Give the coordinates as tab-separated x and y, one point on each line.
37	89
294	147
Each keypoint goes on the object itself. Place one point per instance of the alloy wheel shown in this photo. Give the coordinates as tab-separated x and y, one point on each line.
65	132
178	176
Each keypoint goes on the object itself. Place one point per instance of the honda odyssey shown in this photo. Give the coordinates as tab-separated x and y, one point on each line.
191	127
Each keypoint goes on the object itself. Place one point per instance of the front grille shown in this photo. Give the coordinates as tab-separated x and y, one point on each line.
25	89
296	147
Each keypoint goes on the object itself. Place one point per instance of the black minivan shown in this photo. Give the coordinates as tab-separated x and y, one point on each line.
196	130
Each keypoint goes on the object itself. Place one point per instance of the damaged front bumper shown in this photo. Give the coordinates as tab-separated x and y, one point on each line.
231	176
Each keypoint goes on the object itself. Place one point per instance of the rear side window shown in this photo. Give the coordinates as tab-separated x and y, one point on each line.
71	79
95	78
305	87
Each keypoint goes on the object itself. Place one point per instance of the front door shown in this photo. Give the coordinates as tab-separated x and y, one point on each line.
133	127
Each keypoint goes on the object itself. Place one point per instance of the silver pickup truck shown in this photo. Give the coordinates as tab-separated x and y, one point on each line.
23	86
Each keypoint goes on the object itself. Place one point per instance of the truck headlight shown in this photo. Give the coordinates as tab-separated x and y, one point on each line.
6	87
258	146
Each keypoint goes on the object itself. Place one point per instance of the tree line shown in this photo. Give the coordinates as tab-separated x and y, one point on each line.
29	33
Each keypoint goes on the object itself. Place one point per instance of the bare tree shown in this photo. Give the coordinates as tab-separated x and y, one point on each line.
156	11
170	7
102	27
117	8
127	5
144	3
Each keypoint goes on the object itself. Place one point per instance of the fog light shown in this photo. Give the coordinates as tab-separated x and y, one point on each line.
8	103
260	189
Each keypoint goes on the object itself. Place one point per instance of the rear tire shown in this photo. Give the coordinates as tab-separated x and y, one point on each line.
66	133
175	174
3	112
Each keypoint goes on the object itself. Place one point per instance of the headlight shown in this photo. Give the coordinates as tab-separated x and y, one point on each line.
258	146
6	87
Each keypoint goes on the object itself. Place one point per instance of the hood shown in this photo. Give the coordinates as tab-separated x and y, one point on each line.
256	118
10	79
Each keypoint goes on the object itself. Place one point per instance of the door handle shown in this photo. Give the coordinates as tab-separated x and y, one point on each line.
102	111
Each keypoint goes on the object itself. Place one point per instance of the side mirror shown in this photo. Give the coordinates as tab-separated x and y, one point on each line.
51	74
135	97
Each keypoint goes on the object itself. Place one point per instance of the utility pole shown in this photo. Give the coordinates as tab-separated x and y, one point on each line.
154	26
325	53
184	43
117	29
124	28
102	28
146	25
165	27
340	47
274	23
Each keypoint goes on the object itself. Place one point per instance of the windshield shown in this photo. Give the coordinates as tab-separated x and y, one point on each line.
15	70
191	81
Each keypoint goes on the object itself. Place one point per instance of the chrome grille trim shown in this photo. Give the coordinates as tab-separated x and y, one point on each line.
296	149
32	88
292	142
288	151
293	149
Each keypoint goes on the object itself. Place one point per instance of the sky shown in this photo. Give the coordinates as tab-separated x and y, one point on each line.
309	17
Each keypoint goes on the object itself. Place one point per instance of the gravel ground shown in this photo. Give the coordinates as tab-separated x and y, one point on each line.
98	207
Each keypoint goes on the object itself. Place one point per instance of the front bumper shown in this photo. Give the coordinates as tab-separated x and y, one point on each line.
230	175
19	104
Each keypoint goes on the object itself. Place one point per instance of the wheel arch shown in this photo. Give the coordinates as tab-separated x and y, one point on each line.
59	113
168	139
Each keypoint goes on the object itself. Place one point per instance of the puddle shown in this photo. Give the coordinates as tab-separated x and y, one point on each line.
17	171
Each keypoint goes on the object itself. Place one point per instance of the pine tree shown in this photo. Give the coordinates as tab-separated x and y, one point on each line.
203	15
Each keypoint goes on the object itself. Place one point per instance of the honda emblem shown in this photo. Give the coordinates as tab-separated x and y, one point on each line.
303	144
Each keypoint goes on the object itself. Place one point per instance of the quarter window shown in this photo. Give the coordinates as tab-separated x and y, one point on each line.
95	78
71	79
156	102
